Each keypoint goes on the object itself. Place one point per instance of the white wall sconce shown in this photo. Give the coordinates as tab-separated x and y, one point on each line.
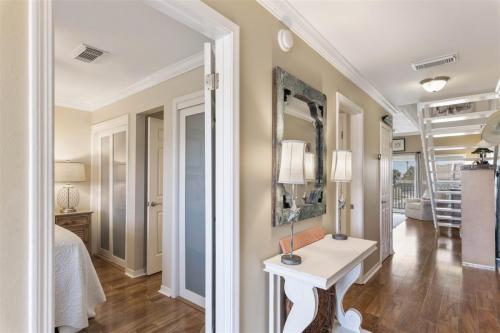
285	40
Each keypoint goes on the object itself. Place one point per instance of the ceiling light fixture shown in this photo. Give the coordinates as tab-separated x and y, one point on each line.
435	84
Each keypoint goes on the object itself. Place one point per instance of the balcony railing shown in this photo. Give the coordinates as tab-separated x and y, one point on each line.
401	190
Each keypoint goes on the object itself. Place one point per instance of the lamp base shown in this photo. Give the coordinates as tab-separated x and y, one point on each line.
339	237
291	259
68	210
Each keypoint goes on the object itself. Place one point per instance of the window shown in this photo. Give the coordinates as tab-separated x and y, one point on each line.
403	180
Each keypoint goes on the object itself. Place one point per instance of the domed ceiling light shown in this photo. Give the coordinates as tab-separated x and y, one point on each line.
435	84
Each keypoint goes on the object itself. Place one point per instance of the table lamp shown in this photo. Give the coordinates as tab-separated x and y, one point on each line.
341	173
68	196
292	172
309	167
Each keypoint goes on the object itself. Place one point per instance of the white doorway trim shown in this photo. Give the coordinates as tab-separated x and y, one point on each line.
171	230
225	33
357	146
381	220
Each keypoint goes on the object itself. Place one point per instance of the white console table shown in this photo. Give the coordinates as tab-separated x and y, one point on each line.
325	263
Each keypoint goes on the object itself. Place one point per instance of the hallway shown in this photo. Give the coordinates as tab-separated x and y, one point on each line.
423	288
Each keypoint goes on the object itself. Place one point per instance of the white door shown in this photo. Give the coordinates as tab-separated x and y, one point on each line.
192	205
385	191
154	210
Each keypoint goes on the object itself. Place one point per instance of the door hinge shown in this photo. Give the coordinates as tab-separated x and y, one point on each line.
212	81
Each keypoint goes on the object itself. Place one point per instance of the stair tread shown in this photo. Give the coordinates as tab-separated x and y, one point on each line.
453	201
449	225
447	217
449	210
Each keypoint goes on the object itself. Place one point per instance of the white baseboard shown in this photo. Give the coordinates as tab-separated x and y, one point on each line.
468	264
365	278
164	290
134	273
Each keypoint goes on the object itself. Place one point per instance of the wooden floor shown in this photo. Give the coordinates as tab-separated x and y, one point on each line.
421	288
134	305
424	288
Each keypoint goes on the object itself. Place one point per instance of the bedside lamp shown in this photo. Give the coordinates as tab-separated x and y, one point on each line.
292	172
68	196
341	173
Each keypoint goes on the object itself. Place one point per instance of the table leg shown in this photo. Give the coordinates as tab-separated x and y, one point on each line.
272	312
305	305
350	320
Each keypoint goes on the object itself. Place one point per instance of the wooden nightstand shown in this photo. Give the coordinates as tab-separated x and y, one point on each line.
78	223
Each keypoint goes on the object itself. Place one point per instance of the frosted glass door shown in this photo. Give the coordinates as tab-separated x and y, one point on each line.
119	193
105	195
113	194
192	222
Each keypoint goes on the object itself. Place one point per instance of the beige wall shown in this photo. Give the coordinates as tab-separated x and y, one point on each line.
413	144
259	55
72	142
14	166
136	107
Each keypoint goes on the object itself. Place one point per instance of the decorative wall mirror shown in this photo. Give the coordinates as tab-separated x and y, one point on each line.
299	114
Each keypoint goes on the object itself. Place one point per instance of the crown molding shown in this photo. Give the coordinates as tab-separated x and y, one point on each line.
71	104
167	73
286	13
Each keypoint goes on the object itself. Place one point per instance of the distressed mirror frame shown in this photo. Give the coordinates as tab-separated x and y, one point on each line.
284	85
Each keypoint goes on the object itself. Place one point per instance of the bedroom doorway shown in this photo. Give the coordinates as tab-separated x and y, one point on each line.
225	34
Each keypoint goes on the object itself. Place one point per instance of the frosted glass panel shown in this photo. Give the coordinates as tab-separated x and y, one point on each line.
119	193
105	193
195	204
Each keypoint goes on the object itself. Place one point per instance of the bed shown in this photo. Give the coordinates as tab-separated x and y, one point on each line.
77	287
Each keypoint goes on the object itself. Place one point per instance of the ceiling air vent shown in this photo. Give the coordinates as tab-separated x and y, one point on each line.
86	53
437	61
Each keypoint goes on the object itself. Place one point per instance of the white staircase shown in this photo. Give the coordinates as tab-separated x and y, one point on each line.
442	167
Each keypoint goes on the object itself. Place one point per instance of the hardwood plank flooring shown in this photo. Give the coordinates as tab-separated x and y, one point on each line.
134	305
424	288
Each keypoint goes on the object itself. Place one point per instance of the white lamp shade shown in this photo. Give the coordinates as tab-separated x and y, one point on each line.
69	172
341	166
292	162
309	166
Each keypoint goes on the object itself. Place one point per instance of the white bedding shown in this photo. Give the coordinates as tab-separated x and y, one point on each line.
77	287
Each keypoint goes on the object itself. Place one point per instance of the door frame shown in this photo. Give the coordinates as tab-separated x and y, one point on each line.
147	118
119	124
390	240
357	146
170	236
177	272
202	18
